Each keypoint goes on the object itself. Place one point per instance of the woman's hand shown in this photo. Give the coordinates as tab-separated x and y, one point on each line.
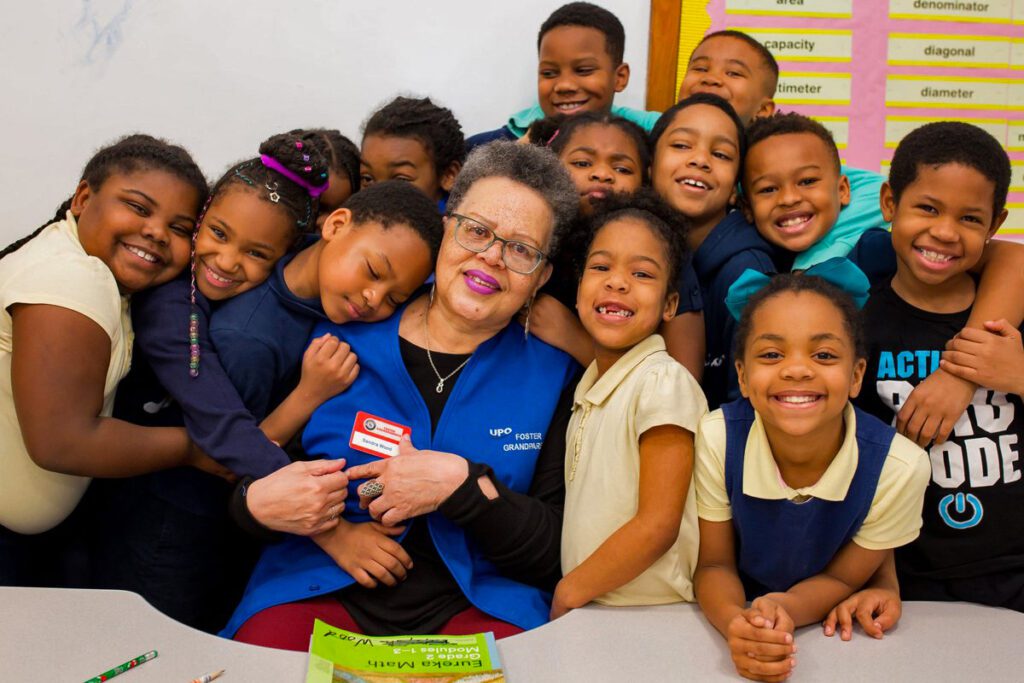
303	498
415	482
367	552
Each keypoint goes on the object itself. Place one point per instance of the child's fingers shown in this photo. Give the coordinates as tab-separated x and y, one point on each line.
329	347
866	618
838	619
394	559
353	373
363	578
1002	327
761	669
381	573
767	652
745	630
387	530
345	363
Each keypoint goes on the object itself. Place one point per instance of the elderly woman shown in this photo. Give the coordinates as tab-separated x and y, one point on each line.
479	504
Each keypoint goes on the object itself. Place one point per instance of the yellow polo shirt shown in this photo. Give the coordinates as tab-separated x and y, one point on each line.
894	518
53	269
646	388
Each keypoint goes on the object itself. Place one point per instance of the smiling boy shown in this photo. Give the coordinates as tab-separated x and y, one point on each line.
580	50
946	198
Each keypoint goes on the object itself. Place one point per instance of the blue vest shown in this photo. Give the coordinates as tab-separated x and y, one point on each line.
498	413
780	543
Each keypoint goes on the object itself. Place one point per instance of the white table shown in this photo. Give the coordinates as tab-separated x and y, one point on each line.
70	635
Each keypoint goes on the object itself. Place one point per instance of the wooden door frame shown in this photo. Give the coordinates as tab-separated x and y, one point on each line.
663	54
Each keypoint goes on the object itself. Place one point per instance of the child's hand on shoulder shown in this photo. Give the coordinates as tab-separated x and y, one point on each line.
992	358
876	609
553	323
760	641
328	368
367	552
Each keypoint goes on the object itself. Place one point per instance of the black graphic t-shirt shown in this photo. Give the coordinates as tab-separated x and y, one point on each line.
974	505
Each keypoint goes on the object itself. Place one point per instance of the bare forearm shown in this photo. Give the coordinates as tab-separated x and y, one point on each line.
810	600
1002	274
624	555
288	418
720	595
110	448
684	341
885	577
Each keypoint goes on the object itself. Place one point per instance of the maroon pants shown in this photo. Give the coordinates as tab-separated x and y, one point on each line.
289	626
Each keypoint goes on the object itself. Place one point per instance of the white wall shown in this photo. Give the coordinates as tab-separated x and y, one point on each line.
218	76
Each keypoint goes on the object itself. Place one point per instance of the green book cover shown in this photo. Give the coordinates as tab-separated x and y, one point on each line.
336	656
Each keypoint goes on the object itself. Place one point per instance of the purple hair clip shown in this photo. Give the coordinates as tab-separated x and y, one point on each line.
552	138
272	163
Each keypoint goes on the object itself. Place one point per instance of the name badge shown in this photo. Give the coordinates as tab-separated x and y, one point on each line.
376	436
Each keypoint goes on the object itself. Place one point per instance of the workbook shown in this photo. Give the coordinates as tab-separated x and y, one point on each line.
336	656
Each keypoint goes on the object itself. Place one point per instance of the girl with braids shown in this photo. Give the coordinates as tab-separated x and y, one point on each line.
65	335
342	169
605	155
257	211
414	140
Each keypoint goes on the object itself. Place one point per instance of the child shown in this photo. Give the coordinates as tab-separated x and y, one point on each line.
795	190
800	496
66	334
629	532
605	154
698	149
343	169
416	141
742	71
946	198
191	575
580	49
374	252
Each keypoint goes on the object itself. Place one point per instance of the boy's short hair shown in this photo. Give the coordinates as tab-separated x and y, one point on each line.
420	119
589	15
951	142
766	56
791	122
397	202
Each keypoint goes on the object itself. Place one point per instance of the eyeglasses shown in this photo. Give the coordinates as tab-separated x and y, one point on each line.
519	257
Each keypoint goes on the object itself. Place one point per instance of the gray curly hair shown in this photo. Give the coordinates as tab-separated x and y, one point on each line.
535	167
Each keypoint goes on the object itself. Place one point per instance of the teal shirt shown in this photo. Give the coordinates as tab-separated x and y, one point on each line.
520	121
862	213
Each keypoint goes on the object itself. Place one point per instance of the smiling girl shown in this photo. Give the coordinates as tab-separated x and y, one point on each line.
801	497
630	527
65	334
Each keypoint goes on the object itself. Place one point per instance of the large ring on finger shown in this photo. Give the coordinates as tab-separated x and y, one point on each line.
371	489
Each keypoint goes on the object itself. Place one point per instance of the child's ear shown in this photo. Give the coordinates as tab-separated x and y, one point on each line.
844	190
858	377
888	202
764	110
621	77
742	377
744	205
997	222
448	175
671	305
337	223
83	193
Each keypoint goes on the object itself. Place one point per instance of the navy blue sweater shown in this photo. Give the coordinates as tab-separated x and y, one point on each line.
207	405
731	247
261	335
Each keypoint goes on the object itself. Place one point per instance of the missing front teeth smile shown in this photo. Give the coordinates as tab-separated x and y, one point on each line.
934	256
622	313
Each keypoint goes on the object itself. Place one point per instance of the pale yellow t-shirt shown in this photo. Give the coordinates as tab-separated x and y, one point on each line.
52	269
894	518
646	388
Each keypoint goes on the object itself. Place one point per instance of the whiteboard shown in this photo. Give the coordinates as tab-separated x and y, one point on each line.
219	76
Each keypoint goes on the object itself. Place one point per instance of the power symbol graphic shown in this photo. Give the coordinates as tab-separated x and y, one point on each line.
968	510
